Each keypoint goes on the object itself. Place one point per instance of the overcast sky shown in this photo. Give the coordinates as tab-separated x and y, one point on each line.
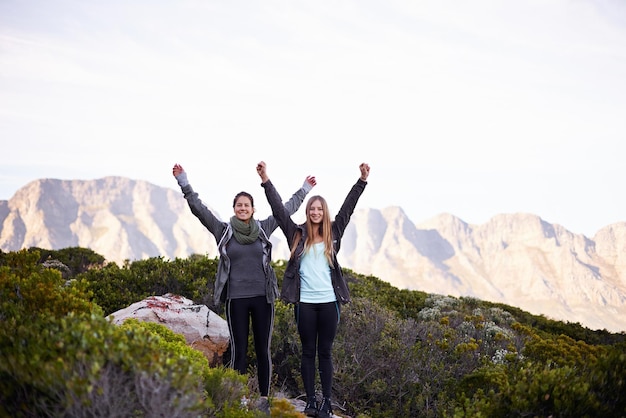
473	108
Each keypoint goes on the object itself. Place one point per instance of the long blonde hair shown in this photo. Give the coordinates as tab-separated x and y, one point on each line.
325	229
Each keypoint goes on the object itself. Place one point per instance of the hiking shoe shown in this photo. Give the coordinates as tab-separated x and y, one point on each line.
262	404
310	410
325	410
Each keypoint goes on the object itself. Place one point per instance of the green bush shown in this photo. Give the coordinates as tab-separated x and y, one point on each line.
76	259
397	352
115	287
286	348
59	356
374	356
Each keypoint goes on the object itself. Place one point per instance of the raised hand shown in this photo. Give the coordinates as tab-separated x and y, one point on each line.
261	169
177	169
365	171
310	180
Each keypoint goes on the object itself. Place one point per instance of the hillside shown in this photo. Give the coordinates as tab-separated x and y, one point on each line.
516	259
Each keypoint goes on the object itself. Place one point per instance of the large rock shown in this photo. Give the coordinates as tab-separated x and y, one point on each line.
202	328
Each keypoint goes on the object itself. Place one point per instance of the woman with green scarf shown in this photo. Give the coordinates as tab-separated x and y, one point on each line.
245	280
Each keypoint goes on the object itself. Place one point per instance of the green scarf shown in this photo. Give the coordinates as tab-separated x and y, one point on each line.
245	233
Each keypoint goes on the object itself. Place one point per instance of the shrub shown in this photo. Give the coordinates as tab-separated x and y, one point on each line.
374	361
115	288
59	356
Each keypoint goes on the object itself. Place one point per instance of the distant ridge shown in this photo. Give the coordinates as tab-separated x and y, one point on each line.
517	259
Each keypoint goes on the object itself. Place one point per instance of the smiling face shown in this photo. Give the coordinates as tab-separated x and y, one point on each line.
243	208
315	211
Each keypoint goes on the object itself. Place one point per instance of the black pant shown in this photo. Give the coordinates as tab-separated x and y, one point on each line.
238	314
317	326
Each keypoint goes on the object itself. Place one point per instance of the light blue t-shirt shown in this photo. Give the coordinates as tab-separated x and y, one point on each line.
316	284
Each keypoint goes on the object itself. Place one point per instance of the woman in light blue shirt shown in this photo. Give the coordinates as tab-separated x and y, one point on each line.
313	281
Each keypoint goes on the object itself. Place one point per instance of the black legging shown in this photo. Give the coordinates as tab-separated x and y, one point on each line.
317	325
238	314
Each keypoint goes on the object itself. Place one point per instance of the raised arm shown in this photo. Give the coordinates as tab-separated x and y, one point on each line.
206	217
280	212
347	208
294	203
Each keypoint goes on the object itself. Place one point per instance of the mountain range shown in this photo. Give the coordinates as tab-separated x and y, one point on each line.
517	259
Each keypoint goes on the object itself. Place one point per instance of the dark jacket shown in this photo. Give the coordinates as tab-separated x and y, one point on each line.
290	290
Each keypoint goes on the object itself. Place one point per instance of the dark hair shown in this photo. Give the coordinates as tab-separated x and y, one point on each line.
246	194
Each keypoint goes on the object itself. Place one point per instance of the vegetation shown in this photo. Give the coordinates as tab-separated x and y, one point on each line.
397	353
61	357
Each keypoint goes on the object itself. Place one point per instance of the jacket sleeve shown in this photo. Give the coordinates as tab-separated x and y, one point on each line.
292	206
294	203
199	209
347	208
280	212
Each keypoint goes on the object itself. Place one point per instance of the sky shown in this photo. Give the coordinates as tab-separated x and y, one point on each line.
469	108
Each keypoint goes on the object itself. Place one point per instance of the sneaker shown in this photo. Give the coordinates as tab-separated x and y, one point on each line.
262	404
325	410
310	410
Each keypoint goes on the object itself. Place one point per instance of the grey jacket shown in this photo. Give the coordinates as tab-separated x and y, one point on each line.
290	291
222	231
